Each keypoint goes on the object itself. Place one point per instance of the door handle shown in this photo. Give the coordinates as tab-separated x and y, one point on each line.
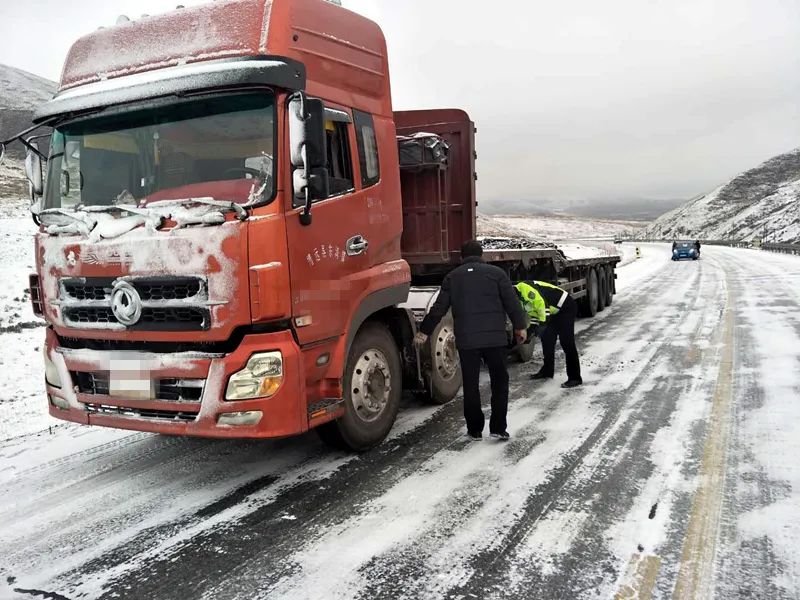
356	245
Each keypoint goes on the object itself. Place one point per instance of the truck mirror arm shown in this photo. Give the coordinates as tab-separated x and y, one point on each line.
20	137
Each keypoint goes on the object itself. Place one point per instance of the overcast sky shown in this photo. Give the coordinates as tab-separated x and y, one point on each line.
572	100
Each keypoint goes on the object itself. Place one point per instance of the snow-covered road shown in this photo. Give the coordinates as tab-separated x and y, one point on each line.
672	472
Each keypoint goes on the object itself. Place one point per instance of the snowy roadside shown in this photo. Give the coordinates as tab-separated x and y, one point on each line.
23	409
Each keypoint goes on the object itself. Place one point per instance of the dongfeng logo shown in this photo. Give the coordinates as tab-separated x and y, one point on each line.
126	303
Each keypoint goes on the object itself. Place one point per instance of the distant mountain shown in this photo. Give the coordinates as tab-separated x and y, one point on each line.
20	93
763	202
626	209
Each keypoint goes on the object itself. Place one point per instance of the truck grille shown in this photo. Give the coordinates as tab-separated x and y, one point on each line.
168	303
149	288
167	318
169	389
143	413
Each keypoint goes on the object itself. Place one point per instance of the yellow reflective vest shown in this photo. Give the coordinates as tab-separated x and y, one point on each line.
542	302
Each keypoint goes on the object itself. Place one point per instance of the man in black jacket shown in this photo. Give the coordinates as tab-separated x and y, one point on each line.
480	296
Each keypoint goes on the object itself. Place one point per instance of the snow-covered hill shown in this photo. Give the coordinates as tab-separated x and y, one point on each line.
763	202
20	93
22	90
556	227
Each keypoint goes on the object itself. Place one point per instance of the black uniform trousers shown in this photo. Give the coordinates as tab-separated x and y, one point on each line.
562	326
470	373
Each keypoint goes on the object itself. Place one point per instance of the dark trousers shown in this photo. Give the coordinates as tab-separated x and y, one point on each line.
470	372
562	326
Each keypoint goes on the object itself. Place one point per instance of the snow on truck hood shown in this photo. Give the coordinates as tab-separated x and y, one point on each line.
103	245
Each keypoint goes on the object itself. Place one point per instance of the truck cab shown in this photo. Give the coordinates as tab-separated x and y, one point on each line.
221	218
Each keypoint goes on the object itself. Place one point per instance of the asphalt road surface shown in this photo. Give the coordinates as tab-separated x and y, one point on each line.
673	472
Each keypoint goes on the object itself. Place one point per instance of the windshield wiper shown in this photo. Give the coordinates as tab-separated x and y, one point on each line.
240	211
112	207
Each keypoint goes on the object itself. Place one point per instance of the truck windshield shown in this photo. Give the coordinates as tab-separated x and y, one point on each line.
219	147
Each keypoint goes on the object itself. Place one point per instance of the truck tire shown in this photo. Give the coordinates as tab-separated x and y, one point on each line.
589	304
372	387
602	285
609	273
444	377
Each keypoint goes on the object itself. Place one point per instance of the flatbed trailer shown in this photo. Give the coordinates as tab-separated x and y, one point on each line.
439	215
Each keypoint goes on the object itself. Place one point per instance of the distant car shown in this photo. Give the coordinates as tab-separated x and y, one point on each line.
685	250
617	240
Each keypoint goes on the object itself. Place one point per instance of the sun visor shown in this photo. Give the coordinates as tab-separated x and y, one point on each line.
279	72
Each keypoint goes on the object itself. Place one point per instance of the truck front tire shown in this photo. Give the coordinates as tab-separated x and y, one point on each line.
372	387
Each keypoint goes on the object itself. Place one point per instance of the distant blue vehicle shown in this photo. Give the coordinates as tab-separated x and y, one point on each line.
685	250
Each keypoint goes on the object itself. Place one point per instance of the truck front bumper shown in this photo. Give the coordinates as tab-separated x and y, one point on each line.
185	391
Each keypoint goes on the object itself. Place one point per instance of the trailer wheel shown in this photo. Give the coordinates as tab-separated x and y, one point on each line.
372	387
609	273
602	291
445	372
590	299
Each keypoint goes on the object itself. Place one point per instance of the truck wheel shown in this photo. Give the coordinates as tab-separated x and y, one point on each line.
445	371
609	274
590	299
602	283
372	387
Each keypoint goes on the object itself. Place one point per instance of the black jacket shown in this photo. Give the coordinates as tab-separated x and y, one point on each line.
481	296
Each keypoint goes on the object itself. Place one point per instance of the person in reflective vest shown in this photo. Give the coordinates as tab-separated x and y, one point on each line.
552	313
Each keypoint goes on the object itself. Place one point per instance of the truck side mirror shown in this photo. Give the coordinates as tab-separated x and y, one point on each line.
33	170
307	148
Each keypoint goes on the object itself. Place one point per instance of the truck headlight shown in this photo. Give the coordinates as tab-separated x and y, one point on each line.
51	375
260	378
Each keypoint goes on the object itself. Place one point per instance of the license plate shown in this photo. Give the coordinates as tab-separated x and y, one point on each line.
135	389
130	379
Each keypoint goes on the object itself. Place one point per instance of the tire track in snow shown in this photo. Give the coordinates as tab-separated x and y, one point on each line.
399	580
751	565
277	544
250	532
608	471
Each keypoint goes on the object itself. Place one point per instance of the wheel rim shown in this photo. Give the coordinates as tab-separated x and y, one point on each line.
445	355
370	385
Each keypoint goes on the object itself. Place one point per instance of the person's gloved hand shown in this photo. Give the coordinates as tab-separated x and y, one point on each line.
420	338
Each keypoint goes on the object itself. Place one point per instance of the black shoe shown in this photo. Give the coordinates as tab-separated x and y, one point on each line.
571	383
474	435
502	436
541	375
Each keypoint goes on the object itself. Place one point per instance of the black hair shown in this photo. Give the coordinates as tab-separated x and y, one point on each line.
471	248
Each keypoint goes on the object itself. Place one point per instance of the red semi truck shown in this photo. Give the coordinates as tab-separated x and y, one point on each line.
238	236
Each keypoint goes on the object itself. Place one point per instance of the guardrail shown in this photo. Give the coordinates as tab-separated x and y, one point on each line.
782	248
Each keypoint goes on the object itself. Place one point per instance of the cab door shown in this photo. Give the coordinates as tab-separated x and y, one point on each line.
329	259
